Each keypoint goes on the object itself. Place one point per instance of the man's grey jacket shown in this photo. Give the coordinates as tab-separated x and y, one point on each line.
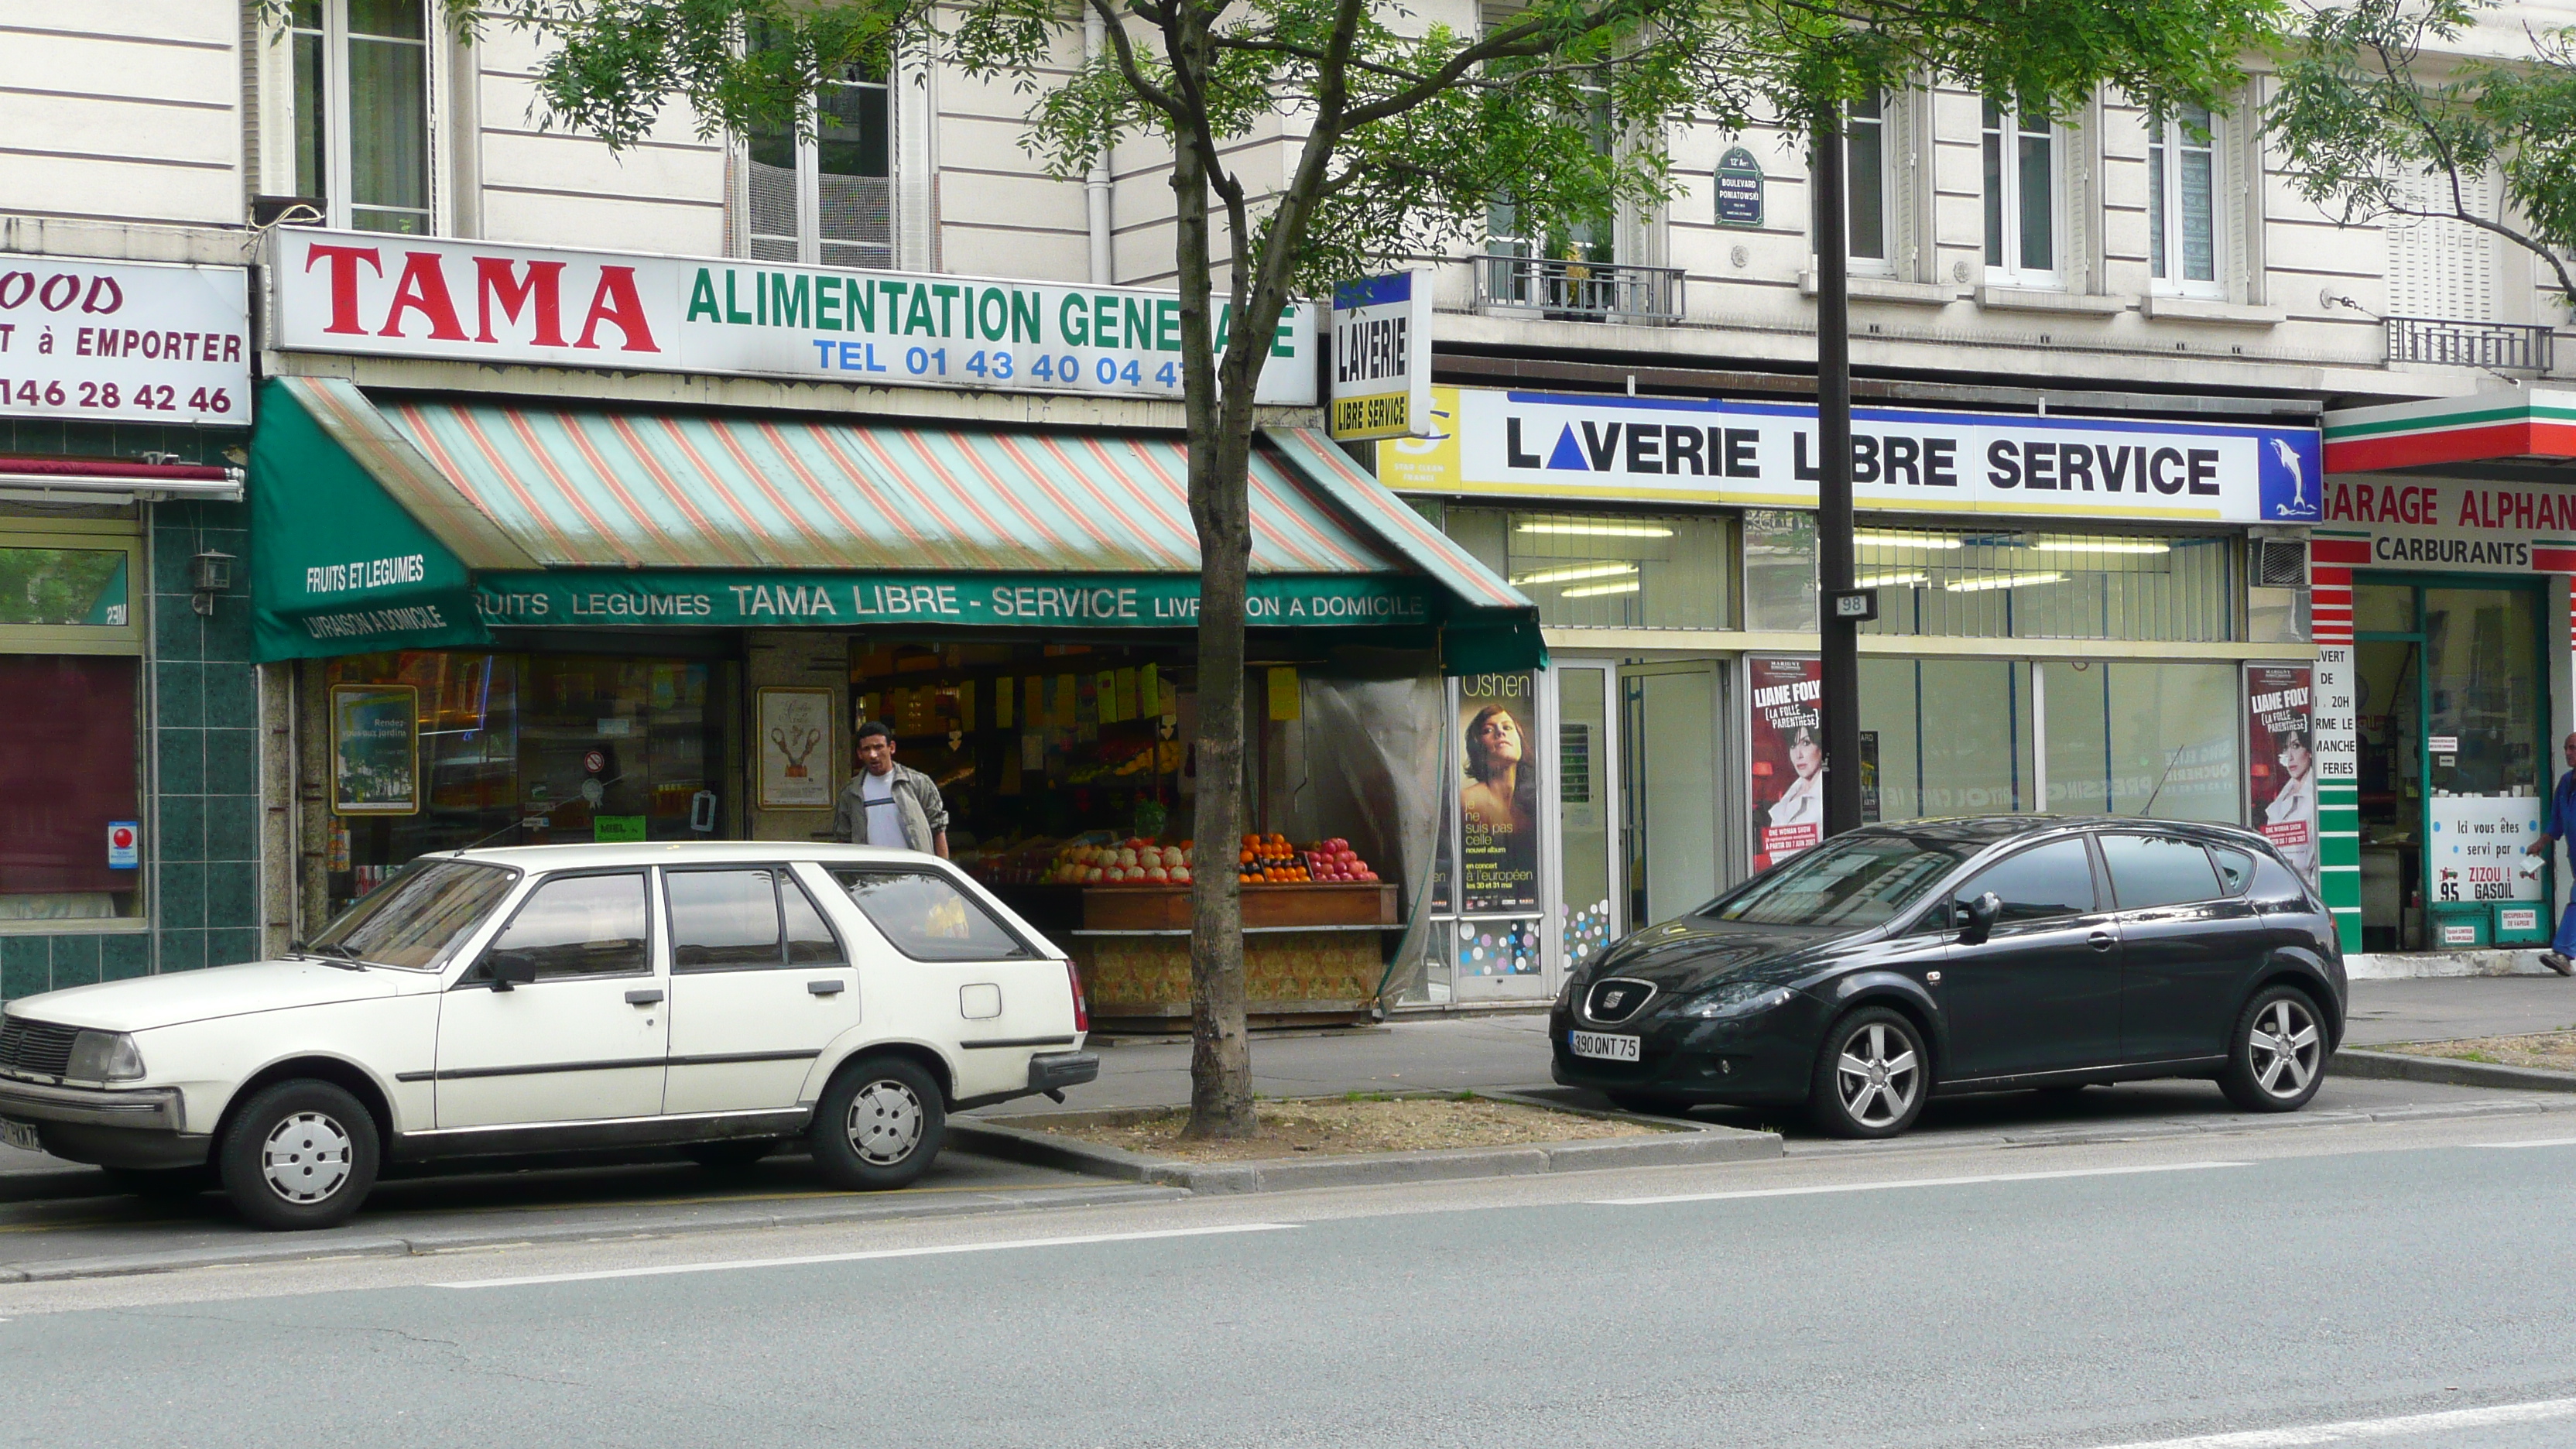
916	800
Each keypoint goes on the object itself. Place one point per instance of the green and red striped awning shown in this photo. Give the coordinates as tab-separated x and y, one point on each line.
399	523
2527	425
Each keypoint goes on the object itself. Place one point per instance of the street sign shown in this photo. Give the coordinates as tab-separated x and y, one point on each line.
1739	188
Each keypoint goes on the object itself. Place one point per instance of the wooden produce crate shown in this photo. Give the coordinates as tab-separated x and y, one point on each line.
1167	908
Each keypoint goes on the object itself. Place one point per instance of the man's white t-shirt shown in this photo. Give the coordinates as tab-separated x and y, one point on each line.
880	823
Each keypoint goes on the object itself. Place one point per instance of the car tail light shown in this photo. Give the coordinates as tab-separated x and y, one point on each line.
1081	1008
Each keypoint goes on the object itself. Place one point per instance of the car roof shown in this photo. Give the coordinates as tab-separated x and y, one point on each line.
1982	830
684	852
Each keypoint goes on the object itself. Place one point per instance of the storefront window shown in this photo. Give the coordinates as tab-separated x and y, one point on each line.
1607	570
2148	739
2488	691
1991	584
1946	737
439	750
71	806
1780	570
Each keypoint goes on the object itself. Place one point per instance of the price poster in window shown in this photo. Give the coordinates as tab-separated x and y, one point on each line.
2280	760
375	749
1498	792
1786	733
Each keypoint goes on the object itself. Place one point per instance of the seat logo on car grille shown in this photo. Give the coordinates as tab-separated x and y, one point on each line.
1617	999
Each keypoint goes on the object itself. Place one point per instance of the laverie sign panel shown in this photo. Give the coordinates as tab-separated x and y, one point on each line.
393	296
1567	447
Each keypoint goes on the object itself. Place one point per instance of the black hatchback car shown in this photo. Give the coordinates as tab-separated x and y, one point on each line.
2011	952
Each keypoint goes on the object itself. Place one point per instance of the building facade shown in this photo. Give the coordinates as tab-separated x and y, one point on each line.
2108	282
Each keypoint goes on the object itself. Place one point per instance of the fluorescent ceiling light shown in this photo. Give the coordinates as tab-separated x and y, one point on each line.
1889	581
2100	545
1578	571
1594	530
2001	581
1908	540
1593	591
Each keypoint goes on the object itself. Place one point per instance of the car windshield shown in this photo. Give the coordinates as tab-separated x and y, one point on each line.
1854	882
412	919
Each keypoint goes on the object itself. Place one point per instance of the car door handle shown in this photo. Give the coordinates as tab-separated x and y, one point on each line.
644	996
825	987
2103	940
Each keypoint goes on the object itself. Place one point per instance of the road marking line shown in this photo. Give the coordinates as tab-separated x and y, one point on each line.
2537	1142
733	1263
2354	1429
1912	1182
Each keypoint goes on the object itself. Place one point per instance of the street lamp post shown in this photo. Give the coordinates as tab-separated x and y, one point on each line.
1838	627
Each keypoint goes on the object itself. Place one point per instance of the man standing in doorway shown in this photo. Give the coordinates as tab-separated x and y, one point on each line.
2555	822
890	804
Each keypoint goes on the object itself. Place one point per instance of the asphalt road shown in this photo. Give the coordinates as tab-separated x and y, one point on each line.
2072	1297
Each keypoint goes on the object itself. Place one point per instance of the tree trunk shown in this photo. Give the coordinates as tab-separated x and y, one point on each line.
1220	1053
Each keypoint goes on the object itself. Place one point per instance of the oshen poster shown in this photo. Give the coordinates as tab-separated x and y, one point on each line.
1497	793
1787	736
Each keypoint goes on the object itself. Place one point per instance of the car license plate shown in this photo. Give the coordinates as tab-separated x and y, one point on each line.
21	1135
1603	1045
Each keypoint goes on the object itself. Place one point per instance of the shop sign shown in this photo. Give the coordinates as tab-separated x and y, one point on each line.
124	342
2281	759
478	302
1498	793
1786	734
719	599
2456	525
2477	843
1381	358
1739	188
1571	449
2334	736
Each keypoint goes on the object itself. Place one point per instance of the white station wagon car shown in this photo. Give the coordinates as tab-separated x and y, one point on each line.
718	997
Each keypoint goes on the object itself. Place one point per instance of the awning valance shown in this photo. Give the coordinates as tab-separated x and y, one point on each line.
400	523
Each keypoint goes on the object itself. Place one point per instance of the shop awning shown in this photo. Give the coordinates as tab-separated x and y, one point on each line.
2519	434
408	523
114	480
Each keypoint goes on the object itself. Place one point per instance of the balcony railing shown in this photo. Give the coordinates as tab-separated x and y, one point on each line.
2501	346
1580	291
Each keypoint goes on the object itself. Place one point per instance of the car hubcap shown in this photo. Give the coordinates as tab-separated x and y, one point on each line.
306	1157
885	1122
1877	1076
2285	1047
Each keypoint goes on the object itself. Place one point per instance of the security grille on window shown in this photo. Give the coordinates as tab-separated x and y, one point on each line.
2183	235
362	112
2021	197
826	199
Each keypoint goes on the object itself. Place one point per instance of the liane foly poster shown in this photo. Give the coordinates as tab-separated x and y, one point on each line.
1498	792
1786	733
2280	763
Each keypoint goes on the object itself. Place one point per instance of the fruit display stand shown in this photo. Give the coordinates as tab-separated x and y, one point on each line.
1314	952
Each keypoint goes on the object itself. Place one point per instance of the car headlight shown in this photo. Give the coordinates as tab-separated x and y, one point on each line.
104	1056
1738	998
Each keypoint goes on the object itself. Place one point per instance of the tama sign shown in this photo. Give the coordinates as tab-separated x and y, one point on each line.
1621	449
395	296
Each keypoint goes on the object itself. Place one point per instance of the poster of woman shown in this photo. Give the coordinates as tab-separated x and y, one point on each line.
2281	761
1497	793
1787	735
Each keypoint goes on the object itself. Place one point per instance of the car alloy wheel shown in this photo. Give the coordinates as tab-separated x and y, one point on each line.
1877	1076
2285	1046
306	1158
884	1122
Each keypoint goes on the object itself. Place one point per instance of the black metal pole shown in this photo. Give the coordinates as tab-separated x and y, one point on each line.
1840	639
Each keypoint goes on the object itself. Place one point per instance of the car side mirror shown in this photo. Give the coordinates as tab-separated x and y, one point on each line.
1977	918
508	969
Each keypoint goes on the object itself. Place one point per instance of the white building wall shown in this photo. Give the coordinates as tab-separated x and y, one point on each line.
121	110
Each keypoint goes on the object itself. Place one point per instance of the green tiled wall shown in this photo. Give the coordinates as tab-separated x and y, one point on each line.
201	842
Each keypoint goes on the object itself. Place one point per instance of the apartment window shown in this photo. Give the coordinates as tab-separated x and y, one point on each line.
827	199
2021	197
362	111
1865	170
2182	203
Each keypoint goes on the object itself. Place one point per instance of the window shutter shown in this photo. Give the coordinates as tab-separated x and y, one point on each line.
2440	267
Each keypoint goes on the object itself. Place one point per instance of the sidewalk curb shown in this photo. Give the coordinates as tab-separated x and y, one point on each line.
1676	1143
314	1247
2450	1071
